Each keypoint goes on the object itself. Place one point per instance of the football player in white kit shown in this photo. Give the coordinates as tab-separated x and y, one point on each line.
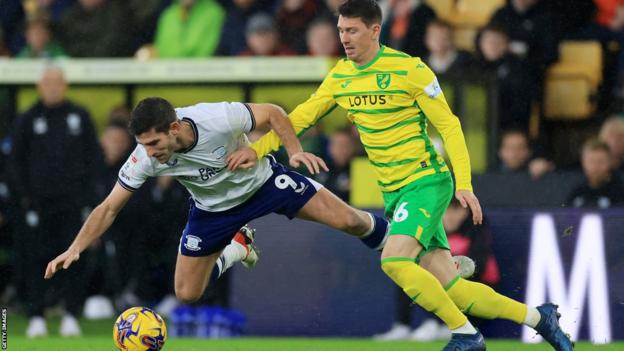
194	145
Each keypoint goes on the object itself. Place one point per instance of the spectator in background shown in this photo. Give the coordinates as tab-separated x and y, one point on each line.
56	160
528	24
515	155
97	28
404	28
602	188
322	38
342	150
232	41
293	17
4	50
39	41
53	9
189	28
467	239
514	88
444	58
330	9
106	275
514	152
263	38
11	23
612	133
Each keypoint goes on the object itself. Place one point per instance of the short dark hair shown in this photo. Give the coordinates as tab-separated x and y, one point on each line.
151	112
368	10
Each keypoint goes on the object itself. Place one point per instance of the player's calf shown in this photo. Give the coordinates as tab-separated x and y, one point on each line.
376	232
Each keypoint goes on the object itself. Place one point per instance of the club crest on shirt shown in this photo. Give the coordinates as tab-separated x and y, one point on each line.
74	124
40	125
219	152
383	80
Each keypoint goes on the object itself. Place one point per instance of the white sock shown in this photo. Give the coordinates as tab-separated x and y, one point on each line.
532	318
372	226
232	253
465	329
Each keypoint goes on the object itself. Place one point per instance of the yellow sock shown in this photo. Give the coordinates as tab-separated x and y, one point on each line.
424	289
480	300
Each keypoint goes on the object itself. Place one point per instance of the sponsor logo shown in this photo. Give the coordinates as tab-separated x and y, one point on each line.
192	243
209	172
367	100
433	89
124	175
383	80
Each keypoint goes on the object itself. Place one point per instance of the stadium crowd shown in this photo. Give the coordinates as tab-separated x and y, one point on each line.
515	48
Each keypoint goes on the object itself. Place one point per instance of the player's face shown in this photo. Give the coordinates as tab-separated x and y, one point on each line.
360	42
157	145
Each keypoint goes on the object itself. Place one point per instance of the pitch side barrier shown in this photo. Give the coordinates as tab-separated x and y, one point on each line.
100	84
314	281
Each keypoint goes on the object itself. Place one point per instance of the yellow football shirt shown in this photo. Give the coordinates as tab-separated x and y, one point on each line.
390	100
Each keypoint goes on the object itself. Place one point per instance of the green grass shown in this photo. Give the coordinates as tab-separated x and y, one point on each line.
96	343
98	338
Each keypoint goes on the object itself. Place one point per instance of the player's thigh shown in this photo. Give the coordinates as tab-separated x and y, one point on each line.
326	208
439	262
401	246
418	212
192	274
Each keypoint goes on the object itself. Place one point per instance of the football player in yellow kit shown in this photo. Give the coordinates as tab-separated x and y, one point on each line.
390	97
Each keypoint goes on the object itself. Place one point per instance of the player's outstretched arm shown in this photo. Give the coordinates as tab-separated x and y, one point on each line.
96	224
277	119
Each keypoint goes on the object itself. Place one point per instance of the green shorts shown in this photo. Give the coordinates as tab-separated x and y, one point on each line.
417	209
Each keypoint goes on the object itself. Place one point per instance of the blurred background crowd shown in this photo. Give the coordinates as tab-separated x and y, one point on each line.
556	65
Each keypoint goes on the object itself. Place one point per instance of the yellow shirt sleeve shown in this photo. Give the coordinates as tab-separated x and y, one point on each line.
302	117
431	100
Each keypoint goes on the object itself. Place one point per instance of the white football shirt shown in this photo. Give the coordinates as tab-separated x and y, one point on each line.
219	130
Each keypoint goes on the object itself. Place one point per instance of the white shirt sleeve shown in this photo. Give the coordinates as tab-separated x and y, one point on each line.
135	171
240	117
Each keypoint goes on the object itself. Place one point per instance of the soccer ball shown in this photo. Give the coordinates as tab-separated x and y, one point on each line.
139	329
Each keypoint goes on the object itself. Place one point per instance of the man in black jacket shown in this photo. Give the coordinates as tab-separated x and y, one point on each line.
55	160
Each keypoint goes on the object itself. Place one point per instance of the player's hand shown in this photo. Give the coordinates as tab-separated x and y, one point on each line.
311	161
63	260
244	158
468	199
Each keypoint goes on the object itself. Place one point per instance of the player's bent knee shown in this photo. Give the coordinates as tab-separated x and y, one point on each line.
187	295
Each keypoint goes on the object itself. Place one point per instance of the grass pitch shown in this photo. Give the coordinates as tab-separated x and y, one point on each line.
98	337
97	343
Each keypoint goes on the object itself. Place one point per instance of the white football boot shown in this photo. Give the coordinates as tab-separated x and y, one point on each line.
398	331
69	326
246	238
37	327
